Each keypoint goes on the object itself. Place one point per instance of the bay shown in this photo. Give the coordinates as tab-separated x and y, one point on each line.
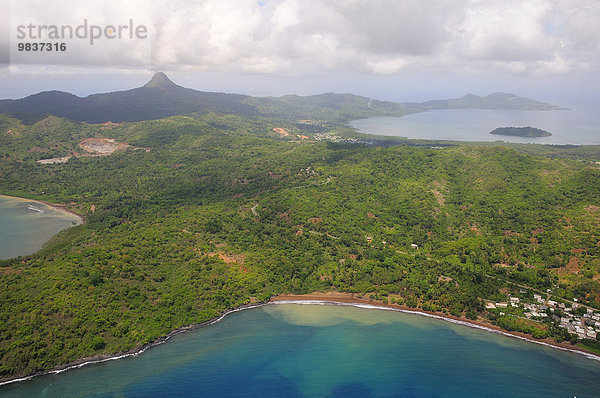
25	225
292	350
578	126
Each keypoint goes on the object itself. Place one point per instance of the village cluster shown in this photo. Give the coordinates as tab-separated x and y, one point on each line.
572	316
336	138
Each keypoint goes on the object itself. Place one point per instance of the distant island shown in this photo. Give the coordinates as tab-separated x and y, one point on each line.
492	101
528	132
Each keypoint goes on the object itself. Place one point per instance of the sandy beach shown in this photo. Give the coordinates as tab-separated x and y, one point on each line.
57	206
352	298
331	298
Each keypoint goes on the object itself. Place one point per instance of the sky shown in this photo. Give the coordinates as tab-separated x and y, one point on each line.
401	50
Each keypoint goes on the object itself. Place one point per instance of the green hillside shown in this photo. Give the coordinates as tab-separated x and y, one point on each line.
207	212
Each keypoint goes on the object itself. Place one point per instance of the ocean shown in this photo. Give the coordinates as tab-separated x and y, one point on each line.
577	126
292	350
25	225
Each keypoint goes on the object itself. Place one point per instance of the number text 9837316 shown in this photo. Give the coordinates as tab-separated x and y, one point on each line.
57	47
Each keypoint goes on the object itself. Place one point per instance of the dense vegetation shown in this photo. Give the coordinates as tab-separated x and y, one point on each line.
521	132
212	211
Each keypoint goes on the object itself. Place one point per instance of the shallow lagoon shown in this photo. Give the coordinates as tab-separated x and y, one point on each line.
25	225
580	126
296	350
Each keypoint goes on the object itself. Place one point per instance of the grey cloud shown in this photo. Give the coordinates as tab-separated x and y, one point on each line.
582	27
4	33
122	53
377	36
392	27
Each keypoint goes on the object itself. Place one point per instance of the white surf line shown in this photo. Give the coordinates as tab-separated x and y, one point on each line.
304	302
80	365
16	380
158	342
35	209
425	314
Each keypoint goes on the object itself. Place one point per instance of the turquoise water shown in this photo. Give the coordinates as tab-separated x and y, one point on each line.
23	230
579	126
292	350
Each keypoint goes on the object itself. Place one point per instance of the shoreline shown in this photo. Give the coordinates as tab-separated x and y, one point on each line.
330	298
340	298
56	206
134	352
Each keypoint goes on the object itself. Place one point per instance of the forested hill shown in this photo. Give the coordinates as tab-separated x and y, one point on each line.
160	98
202	214
492	101
329	106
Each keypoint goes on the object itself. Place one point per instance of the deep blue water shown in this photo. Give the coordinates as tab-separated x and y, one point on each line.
292	350
580	125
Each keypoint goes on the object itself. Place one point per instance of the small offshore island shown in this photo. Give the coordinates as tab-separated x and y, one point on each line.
252	198
529	132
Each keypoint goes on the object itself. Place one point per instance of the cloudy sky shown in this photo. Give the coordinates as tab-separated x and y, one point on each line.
388	49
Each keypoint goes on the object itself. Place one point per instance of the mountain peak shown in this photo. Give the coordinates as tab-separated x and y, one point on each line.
160	80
